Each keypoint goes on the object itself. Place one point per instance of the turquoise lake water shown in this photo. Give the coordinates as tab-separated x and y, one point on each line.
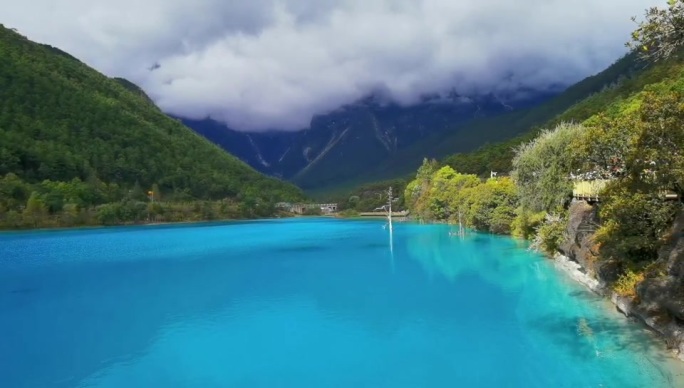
305	303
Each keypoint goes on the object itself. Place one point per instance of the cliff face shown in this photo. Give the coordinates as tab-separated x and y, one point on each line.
660	297
659	301
579	245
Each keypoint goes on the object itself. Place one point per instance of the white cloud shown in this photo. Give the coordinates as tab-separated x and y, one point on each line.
259	64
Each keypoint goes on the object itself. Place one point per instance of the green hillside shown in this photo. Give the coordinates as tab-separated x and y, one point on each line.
632	78
503	133
73	140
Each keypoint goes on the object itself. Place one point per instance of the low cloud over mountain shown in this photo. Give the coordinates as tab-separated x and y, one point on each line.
263	64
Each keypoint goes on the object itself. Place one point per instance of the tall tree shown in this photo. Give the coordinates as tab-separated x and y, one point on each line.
662	33
36	210
542	168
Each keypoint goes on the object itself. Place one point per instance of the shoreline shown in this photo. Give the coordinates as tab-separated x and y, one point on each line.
150	224
669	334
664	333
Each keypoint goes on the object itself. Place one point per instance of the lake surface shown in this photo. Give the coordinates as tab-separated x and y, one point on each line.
305	303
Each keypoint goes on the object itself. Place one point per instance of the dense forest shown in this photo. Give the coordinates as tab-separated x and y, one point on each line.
78	148
630	136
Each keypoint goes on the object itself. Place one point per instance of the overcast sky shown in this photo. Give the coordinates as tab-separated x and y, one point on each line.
258	64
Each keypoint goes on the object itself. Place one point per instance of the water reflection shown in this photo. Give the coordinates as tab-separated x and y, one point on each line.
556	314
453	257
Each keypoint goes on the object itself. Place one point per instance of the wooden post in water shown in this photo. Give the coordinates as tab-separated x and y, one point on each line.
391	229
389	207
461	229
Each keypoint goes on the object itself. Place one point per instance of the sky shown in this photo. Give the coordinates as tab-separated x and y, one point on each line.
273	64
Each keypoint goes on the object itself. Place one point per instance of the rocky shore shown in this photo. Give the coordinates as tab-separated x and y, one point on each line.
659	300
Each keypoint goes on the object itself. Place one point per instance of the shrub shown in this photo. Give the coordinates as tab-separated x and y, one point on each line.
550	235
526	223
627	282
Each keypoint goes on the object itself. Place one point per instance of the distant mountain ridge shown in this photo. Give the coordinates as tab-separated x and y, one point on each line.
367	141
354	140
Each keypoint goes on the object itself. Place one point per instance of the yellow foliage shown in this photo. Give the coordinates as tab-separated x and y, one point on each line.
589	188
626	284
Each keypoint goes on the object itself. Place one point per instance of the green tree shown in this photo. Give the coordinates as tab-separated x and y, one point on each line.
604	146
70	214
657	157
155	193
492	205
542	168
36	211
662	33
634	222
417	192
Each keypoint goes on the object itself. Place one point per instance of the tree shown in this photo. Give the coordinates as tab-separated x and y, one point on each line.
440	192
633	223
658	155
542	168
417	191
36	211
491	206
662	33
70	214
154	193
603	148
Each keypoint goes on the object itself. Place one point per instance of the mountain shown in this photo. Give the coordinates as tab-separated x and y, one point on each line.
340	146
71	136
369	141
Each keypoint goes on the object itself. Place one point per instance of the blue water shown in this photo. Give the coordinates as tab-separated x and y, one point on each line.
305	303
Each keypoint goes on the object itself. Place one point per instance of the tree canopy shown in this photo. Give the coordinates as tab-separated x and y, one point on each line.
661	34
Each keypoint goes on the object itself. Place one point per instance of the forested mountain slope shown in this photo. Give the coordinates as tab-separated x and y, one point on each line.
487	144
632	81
608	92
71	136
340	146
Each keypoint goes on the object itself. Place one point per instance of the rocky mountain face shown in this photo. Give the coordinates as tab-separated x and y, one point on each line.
356	140
659	300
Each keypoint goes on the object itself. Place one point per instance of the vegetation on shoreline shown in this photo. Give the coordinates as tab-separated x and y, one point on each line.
442	194
78	148
631	135
638	150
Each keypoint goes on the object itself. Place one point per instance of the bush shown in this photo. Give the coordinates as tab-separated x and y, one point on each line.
550	235
526	223
349	213
634	224
627	282
315	211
